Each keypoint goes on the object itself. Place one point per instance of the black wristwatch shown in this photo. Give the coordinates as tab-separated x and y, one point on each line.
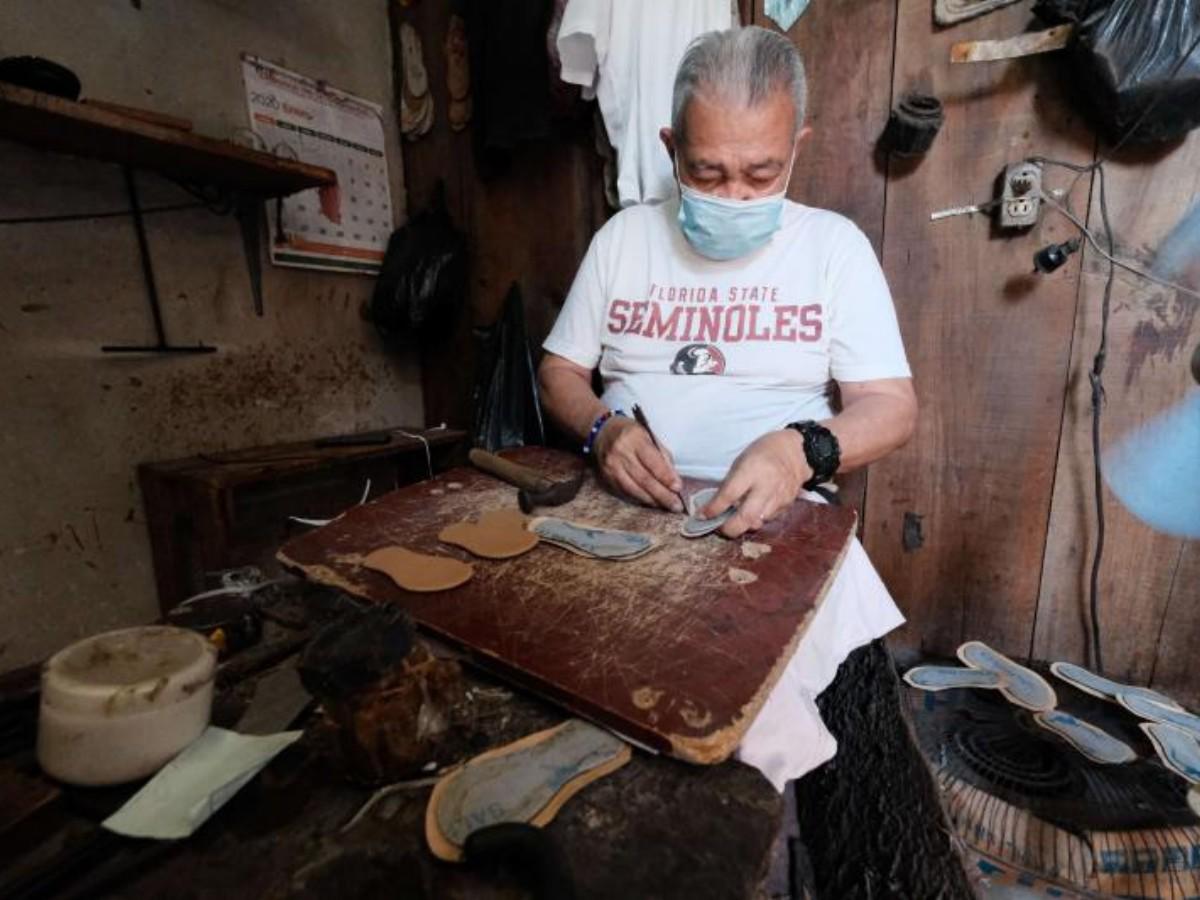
821	450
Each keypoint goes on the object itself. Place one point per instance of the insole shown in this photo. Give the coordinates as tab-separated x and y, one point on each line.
1022	686
526	781
1105	688
1156	712
1179	750
418	571
588	540
1094	743
942	678
695	525
498	534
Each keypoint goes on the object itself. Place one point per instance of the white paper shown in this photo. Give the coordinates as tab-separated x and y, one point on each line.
196	783
343	227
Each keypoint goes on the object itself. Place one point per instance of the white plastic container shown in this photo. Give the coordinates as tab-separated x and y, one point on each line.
118	706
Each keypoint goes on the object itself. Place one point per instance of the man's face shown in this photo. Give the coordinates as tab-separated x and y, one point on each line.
739	153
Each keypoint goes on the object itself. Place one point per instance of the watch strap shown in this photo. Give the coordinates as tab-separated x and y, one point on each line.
821	450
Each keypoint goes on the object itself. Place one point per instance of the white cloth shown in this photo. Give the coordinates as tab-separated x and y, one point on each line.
627	51
776	327
769	330
788	739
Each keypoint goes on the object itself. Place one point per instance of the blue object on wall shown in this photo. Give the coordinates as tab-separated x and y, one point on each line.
1155	469
786	12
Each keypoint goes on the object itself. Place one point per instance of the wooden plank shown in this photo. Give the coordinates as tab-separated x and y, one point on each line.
989	345
144	115
1151	335
1029	44
441	157
529	223
668	649
532	226
1175	670
83	129
229	468
847	50
441	154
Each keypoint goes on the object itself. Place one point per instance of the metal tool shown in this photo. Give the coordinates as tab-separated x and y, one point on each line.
1051	39
641	419
161	344
535	489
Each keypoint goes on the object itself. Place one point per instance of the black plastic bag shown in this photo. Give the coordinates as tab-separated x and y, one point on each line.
1132	56
1061	12
422	285
507	407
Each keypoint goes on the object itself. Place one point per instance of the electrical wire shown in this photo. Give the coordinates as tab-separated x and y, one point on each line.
1096	375
107	214
1108	255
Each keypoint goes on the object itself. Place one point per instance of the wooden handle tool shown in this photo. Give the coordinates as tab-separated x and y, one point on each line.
514	473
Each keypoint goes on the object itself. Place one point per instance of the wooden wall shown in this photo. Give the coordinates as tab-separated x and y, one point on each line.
997	480
530	224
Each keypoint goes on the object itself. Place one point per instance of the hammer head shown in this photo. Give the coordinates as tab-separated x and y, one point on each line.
556	495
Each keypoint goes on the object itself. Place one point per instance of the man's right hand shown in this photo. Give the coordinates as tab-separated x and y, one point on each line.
631	462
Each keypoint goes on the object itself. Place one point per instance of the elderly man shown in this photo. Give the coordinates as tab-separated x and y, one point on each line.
728	315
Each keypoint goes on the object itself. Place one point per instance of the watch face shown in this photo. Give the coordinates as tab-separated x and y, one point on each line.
822	444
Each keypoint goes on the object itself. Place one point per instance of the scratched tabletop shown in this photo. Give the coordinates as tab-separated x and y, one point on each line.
676	650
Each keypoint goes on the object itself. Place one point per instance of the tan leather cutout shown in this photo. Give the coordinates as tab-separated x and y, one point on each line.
499	534
419	571
443	848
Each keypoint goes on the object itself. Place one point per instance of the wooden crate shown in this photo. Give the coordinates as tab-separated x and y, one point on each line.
221	510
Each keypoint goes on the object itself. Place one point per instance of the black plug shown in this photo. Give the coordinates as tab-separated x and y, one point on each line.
1053	256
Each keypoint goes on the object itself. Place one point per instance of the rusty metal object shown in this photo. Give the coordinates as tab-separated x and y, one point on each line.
1031	44
389	699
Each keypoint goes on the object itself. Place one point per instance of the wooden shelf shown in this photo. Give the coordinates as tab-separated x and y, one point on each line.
230	468
52	123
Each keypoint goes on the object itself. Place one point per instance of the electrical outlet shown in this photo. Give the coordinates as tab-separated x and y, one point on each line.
1021	197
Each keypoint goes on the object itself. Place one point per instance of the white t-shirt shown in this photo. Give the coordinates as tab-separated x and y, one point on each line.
627	51
720	353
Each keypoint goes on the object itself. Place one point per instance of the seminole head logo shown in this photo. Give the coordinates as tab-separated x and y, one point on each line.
698	359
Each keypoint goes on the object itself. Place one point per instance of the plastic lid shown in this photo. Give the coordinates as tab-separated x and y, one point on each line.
128	671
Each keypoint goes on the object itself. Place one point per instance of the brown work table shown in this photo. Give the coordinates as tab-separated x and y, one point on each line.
676	650
656	828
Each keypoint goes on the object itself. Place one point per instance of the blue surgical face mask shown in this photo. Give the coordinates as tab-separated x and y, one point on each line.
723	229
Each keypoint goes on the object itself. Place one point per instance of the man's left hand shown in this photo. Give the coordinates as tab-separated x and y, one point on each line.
765	479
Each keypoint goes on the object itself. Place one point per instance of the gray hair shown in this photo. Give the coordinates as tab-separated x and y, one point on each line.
743	66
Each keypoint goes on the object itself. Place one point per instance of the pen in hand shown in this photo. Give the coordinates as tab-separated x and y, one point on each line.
640	418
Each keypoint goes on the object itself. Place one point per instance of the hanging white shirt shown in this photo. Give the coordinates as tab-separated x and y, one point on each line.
720	353
627	51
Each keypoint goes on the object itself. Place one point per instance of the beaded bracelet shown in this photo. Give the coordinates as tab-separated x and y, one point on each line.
596	426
